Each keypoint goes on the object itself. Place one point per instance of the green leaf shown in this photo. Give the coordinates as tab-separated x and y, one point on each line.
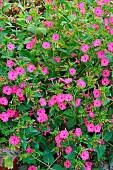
57	167
35	30
68	113
22	108
109	57
2	140
8	162
48	158
100	151
25	53
29	160
31	132
24	143
6	6
32	28
107	135
71	122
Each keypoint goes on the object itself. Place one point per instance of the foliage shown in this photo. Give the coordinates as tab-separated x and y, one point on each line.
56	81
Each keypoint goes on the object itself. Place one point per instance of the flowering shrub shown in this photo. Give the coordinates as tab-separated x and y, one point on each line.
56	80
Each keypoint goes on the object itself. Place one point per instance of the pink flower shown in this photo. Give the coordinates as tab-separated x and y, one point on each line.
45	45
4	117
96	93
84	58
14	140
42	102
29	45
81	5
30	68
72	71
60	97
20	70
10	63
84	47
64	134
29	150
57	59
10	46
68	97
101	54
78	132
1	29
77	101
48	23
62	106
98	11
105	81
110	47
105	73
47	1
91	114
40	111
44	70
97	128
106	21
55	37
90	127
3	101
89	164
12	75
22	85
68	80
68	150
32	167
11	113
73	55
81	83
98	103
104	62
84	155
14	89
19	92
29	18
111	20
7	90
97	42
67	164
42	118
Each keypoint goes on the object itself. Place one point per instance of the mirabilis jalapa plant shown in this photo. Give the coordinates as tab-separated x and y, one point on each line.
56	79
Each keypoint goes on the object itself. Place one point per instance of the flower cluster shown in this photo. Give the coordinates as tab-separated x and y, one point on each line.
56	81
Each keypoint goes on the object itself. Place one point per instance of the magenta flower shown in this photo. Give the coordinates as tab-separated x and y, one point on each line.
84	155
110	47
10	63
30	68
64	134
104	62
72	71
84	47
81	83
68	150
84	58
4	117
12	75
67	164
45	45
10	46
55	37
98	11
3	101
14	140
32	167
